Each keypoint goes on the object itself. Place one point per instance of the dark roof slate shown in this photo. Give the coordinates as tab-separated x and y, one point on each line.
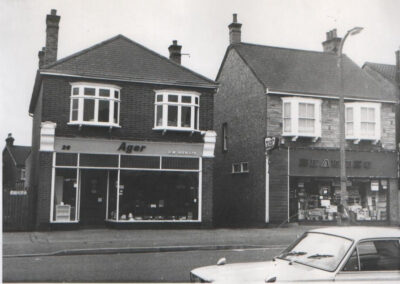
19	153
386	70
310	72
120	58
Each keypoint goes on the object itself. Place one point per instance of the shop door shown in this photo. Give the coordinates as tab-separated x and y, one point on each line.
93	197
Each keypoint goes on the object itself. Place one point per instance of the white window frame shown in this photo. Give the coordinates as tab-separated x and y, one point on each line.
81	97
164	103
243	168
357	134
294	118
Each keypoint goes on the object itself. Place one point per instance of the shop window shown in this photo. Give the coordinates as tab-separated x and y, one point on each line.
363	121
94	104
225	137
316	199
157	196
176	111
238	168
301	117
65	195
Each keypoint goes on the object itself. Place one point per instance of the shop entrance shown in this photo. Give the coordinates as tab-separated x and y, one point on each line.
93	197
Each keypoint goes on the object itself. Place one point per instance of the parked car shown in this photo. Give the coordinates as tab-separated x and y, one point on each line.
326	254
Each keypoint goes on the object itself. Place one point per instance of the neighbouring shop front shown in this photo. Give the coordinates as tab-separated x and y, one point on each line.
98	181
314	185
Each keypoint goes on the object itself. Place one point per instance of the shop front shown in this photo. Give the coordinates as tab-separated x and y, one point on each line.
314	185
101	181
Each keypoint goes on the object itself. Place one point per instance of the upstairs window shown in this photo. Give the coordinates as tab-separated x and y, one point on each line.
175	110
240	168
95	104
301	117
363	121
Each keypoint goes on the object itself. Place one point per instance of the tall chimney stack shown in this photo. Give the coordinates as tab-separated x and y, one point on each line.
398	67
175	52
52	21
332	43
9	140
235	31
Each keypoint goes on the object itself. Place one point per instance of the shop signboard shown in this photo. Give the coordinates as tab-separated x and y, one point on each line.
326	163
102	146
270	143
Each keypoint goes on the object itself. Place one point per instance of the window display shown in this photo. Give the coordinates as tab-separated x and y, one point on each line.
318	199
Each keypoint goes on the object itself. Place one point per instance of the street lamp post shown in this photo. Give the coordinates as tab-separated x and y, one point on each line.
342	138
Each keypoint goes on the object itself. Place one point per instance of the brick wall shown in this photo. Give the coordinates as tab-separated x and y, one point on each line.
136	112
44	190
240	102
207	192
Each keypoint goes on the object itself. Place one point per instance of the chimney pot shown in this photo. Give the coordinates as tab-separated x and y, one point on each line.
175	52
332	42
9	140
53	12
235	31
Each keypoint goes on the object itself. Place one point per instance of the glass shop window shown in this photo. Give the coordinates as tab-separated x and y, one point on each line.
158	196
65	193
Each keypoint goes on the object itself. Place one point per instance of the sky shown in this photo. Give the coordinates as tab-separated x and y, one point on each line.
199	26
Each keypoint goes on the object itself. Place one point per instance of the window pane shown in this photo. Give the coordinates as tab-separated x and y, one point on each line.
349	114
287	125
90	91
379	255
159	98
302	110
364	114
186	99
116	94
186	116
104	111
159	117
310	110
104	93
65	187
196	118
75	91
116	110
75	110
286	110
172	116
349	128
371	114
88	110
172	98
196	100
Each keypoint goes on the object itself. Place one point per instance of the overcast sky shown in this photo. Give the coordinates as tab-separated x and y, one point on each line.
199	26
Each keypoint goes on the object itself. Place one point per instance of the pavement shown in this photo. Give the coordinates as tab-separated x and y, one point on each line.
109	241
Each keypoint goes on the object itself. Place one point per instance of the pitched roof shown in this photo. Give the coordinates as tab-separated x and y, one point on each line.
120	58
19	154
310	72
386	70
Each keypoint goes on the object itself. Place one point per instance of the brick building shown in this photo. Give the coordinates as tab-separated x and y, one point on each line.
121	135
293	96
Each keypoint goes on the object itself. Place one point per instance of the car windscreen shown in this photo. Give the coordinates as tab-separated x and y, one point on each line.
318	250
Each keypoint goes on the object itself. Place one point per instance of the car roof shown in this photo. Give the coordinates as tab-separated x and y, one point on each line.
360	232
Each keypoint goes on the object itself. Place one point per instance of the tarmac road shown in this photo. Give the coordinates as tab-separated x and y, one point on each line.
129	267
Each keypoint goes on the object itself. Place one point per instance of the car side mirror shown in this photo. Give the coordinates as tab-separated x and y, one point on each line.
221	261
270	280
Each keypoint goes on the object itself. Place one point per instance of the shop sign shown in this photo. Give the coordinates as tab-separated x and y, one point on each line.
128	148
326	163
18	192
374	185
270	143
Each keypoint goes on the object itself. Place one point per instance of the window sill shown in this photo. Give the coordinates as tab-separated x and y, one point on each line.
178	129
97	124
295	136
357	140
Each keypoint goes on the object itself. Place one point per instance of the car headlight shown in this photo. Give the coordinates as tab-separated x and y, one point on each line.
196	279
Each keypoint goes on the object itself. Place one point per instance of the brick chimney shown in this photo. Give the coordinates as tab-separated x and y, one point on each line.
41	57
398	67
235	31
52	21
175	52
332	43
9	140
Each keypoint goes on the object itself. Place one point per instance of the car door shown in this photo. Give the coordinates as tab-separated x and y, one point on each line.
373	260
